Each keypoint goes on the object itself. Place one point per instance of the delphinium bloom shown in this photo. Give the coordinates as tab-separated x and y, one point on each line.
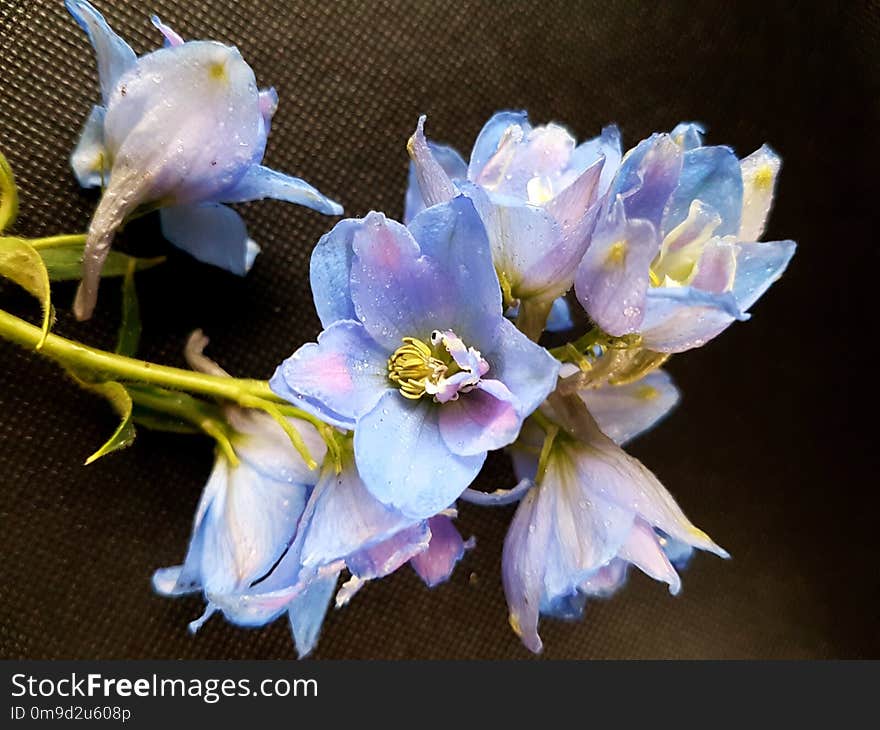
592	512
272	535
183	129
675	255
248	512
538	193
416	356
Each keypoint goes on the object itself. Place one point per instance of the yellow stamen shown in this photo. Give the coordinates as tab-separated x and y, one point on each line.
647	392
413	366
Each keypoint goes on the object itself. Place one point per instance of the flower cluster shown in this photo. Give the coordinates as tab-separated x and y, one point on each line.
354	458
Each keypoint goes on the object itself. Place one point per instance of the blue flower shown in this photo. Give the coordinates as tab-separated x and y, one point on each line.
416	355
184	129
538	194
675	255
342	527
248	513
593	511
625	411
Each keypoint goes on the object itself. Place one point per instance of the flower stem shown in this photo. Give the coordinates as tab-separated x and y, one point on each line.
200	414
109	366
586	340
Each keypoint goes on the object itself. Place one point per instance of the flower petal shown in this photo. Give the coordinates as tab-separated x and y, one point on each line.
559	319
574	208
247	528
181	126
758	265
681	318
522	565
186	122
262	443
436	276
529	247
500	497
339	378
268	100
482	420
172	38
626	411
711	175
385	557
306	613
612	279
261	182
606	145
530	163
688	135
114	55
404	461
647	176
490	136
344	518
330	272
642	549
622	478
211	233
433	183
435	565
90	160
759	172
716	269
452	164
527	369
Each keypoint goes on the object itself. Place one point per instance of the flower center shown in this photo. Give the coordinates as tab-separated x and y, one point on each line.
442	369
413	367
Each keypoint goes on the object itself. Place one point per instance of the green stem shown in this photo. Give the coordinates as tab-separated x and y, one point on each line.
588	339
197	413
57	241
110	366
546	450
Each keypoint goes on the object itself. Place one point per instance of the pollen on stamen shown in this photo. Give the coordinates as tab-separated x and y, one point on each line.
412	367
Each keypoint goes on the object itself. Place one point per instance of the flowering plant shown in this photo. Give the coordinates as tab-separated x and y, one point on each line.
352	458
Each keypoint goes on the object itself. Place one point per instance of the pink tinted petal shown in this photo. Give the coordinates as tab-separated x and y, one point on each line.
446	548
643	550
606	580
716	268
339	378
480	421
612	279
172	38
570	207
385	557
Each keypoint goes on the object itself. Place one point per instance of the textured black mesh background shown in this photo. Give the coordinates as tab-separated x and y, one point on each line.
767	451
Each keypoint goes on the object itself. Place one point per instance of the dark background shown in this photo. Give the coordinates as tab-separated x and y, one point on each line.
768	451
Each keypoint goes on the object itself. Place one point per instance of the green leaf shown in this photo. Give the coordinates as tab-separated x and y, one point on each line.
20	263
64	263
121	401
130	328
8	195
